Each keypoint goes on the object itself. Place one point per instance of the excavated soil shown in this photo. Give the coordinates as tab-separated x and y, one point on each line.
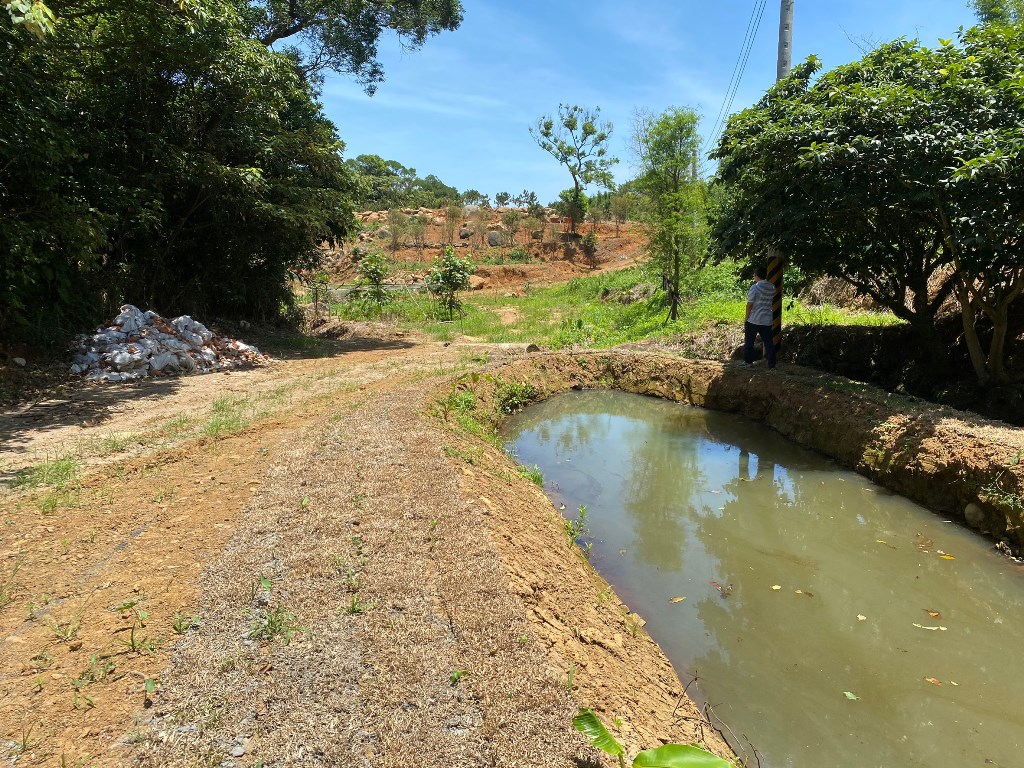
343	576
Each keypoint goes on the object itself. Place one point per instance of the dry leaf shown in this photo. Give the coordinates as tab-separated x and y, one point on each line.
676	599
776	587
956	684
798	591
947	557
851	696
933	614
933	681
861	617
933	629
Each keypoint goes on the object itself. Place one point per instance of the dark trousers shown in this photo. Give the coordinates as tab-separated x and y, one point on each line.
750	332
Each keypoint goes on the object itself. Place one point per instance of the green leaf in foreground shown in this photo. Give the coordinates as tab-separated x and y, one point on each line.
590	725
679	756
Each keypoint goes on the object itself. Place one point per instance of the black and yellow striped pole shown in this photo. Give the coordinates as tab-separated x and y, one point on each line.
775	271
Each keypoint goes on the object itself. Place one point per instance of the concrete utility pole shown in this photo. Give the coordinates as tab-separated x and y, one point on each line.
775	261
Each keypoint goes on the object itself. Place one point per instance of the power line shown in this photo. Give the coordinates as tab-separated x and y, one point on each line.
753	25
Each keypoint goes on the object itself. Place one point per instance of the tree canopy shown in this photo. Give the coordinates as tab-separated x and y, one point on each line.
898	173
342	35
162	154
579	141
671	195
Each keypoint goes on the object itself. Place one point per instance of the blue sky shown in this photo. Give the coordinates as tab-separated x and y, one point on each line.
461	106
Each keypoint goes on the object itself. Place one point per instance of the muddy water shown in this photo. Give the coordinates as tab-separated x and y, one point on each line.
829	622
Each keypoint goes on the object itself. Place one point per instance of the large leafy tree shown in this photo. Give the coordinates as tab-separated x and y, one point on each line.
156	154
579	141
894	173
672	197
342	35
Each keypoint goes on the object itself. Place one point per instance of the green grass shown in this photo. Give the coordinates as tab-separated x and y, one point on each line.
227	416
58	473
585	312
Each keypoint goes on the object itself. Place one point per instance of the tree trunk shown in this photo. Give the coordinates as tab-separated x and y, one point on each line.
969	318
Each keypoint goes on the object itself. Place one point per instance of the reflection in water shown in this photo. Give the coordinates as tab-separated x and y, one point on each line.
803	583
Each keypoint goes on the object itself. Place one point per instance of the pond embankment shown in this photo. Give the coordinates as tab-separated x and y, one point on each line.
955	463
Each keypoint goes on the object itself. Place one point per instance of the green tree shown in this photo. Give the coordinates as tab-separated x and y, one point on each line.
501	199
157	155
472	197
672	196
513	221
621	205
446	278
998	11
899	174
572	204
579	142
342	36
374	270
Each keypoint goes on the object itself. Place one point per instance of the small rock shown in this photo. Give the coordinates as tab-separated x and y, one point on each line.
18	361
974	515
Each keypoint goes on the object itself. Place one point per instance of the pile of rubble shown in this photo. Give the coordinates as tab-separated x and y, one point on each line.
140	344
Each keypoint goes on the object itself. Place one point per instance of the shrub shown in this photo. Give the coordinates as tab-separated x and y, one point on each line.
446	278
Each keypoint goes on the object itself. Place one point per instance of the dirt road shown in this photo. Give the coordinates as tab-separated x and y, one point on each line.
292	565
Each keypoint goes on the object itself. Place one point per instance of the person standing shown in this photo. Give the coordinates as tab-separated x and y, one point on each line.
758	319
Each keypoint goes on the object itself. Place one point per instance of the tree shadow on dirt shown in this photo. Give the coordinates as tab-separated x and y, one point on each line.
86	405
312	348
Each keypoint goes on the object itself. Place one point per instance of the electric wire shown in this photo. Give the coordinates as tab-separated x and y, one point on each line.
753	25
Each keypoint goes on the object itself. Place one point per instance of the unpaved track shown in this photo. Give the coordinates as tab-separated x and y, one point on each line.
422	633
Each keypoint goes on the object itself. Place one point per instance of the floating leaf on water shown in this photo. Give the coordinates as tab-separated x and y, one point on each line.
861	617
933	681
798	591
776	587
931	629
676	599
956	684
947	557
933	614
851	696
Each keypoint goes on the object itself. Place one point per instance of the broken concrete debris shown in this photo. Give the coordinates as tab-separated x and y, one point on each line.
140	344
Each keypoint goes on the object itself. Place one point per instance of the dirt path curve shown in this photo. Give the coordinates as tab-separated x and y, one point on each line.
286	567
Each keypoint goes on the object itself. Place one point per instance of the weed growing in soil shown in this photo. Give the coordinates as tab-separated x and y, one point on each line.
533	474
357	606
58	473
512	396
575	529
182	622
226	416
273	623
7	585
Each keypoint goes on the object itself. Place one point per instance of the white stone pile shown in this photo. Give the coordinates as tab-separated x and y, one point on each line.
140	344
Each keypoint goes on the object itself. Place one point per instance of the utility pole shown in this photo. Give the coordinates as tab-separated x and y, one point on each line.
775	261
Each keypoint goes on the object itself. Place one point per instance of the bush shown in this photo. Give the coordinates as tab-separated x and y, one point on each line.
446	278
373	272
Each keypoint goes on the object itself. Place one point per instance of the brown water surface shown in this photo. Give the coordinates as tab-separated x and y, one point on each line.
829	622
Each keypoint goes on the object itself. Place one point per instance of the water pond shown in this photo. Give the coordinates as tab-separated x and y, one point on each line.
828	621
